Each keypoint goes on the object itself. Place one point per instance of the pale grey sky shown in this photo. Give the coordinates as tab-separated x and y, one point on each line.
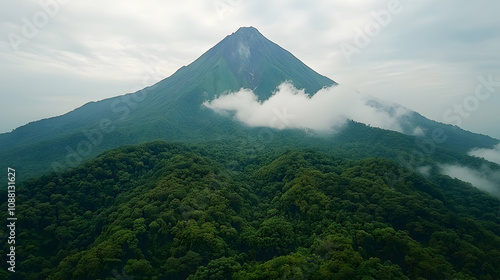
429	56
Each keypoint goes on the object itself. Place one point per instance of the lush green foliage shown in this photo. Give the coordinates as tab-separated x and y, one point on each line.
167	211
240	202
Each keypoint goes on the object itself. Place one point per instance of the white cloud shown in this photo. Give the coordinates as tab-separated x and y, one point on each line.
484	179
492	155
418	131
288	107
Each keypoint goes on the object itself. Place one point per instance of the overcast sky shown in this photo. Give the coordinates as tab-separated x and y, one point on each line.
429	56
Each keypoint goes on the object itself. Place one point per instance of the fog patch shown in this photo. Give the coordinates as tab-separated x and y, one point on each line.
424	170
325	111
492	155
418	131
485	178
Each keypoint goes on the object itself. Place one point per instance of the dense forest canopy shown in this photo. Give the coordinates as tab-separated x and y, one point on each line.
171	211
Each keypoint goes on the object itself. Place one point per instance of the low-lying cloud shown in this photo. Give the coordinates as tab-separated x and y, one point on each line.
289	107
492	155
485	178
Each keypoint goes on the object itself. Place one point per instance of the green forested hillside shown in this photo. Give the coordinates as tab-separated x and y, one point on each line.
168	211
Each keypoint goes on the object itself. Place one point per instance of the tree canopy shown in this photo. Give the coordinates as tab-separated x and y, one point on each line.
169	211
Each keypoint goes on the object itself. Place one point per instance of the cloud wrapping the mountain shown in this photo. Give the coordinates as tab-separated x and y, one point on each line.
492	155
288	107
485	178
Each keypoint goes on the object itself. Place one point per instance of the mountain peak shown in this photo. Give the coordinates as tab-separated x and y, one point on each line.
248	36
259	64
247	30
248	33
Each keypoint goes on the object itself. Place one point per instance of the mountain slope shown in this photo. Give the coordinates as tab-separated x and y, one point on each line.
171	109
246	59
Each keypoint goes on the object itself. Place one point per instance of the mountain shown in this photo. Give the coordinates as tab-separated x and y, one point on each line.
172	110
171	211
247	59
168	110
222	200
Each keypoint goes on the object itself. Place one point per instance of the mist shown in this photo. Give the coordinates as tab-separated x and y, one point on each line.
492	155
291	108
485	178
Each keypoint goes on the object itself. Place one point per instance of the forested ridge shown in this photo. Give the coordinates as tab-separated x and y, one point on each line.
171	211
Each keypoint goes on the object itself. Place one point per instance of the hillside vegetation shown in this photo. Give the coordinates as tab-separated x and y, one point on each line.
170	211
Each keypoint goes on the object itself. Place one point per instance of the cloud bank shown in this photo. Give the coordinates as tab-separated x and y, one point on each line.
484	178
289	107
492	155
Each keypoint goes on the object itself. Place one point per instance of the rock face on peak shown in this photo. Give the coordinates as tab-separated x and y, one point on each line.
262	65
248	59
